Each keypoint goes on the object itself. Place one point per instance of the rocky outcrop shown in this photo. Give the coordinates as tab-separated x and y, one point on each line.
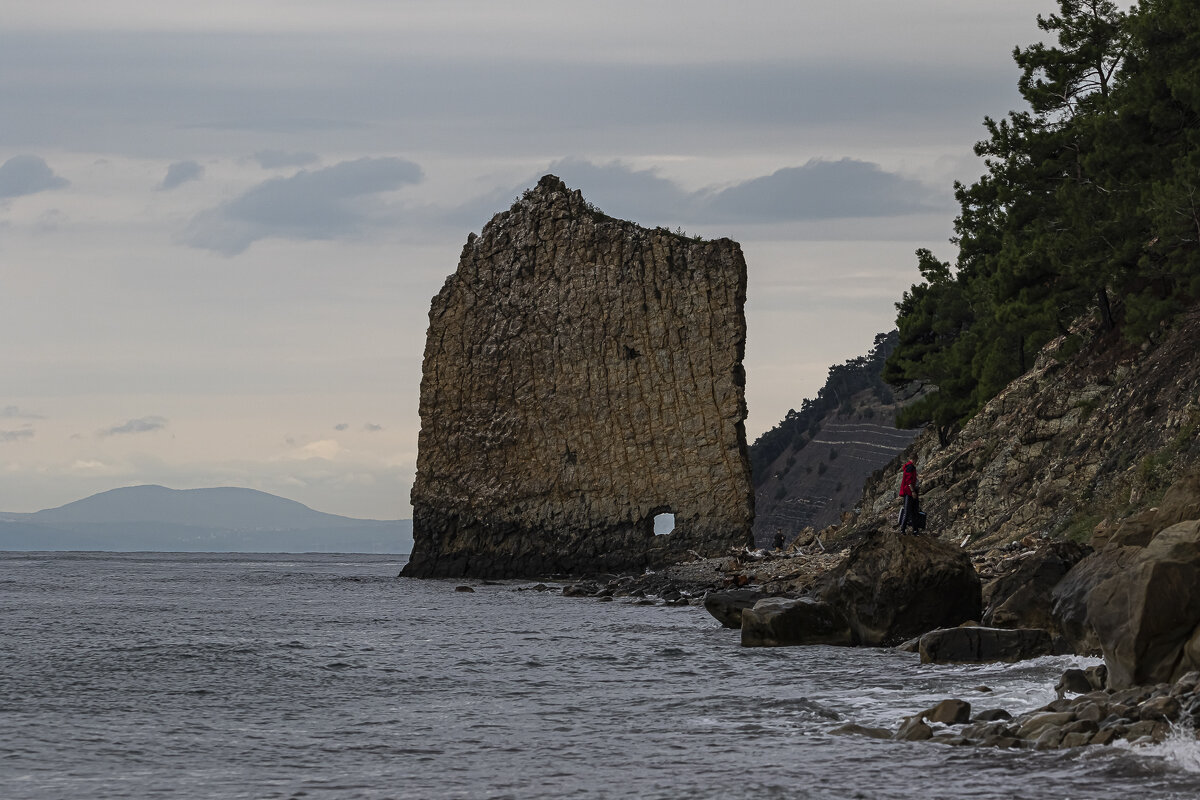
893	587
1021	597
1069	598
888	589
1147	616
582	375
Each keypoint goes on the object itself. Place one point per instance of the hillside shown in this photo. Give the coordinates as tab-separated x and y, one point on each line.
223	519
1077	440
810	469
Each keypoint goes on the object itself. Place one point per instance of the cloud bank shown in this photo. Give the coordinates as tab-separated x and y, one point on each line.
24	174
330	203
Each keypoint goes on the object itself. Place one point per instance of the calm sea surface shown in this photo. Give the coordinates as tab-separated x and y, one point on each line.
319	676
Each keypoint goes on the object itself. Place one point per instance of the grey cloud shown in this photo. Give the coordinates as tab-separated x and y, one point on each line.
823	190
25	432
22	175
327	203
75	87
341	426
140	425
371	427
16	412
181	172
273	159
818	190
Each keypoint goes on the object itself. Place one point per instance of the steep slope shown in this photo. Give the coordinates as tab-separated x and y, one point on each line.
1076	440
810	469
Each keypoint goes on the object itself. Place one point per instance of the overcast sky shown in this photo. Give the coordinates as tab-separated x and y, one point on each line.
221	223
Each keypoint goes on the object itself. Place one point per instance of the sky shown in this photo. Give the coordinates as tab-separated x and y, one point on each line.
221	224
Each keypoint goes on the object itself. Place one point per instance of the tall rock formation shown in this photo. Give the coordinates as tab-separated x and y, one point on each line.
582	375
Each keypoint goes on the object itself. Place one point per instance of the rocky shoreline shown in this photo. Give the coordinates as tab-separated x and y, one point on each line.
1132	596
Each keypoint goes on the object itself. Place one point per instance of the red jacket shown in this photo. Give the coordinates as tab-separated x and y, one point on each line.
908	483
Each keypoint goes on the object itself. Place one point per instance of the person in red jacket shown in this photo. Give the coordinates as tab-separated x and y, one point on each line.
910	493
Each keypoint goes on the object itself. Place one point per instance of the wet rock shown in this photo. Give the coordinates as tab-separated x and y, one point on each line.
1147	616
891	588
1078	739
464	589
852	729
1073	681
727	605
1050	738
914	729
1164	708
1148	730
981	645
949	712
992	715
1035	725
776	621
1105	736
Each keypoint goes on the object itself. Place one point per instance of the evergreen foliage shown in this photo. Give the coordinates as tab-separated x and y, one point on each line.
844	381
1090	204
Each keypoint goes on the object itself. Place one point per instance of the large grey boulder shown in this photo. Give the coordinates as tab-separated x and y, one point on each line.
1146	617
778	621
892	588
974	645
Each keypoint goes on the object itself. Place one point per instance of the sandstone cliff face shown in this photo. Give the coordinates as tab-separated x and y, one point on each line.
1063	448
581	375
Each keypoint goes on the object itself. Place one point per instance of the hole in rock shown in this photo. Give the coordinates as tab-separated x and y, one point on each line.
664	523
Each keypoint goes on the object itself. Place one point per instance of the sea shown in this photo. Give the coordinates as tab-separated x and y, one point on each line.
191	675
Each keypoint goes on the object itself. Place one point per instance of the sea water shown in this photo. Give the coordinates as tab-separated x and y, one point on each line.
324	676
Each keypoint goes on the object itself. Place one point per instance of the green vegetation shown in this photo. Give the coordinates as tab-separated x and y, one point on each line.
1090	204
844	381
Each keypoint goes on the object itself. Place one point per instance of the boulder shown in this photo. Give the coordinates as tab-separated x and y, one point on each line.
973	645
727	605
1021	598
892	588
1069	598
949	712
1147	616
777	621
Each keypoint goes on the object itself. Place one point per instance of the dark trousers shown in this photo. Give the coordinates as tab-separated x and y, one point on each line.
908	514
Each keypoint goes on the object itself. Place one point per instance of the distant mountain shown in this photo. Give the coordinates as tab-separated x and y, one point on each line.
223	519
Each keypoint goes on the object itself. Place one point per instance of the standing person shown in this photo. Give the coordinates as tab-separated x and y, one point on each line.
910	493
